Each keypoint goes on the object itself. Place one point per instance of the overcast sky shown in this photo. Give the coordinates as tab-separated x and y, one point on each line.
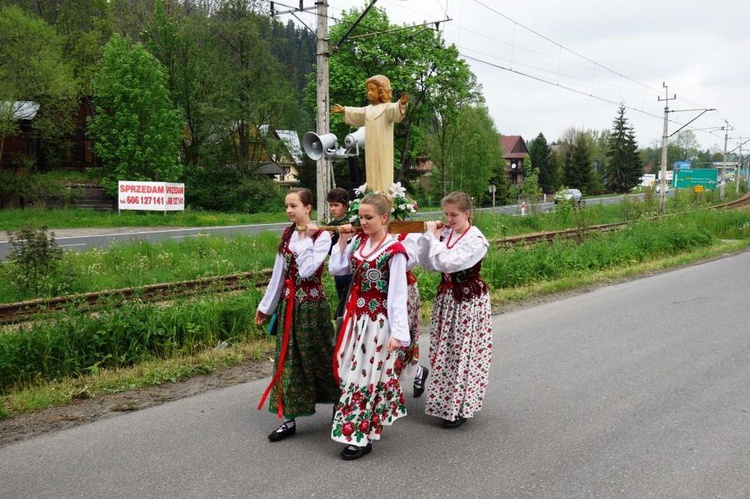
617	51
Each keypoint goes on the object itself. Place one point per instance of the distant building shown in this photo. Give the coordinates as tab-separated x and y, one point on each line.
514	154
278	152
26	148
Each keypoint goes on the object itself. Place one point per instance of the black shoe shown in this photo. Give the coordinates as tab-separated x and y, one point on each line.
455	423
282	432
352	452
419	382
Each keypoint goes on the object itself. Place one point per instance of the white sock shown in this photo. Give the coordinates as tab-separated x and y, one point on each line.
419	372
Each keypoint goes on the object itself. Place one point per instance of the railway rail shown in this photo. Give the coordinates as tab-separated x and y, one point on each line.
14	313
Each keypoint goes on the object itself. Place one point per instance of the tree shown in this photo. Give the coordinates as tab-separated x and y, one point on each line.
250	90
530	189
624	167
416	61
577	173
541	158
687	145
136	129
32	69
475	152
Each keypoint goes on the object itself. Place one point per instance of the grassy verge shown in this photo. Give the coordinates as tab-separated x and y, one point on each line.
107	381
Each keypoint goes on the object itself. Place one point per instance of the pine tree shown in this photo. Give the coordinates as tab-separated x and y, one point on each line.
635	170
578	163
541	158
624	167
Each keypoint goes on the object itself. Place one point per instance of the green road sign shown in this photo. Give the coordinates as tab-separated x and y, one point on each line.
689	179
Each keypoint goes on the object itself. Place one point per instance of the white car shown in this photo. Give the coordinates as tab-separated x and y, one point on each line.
658	188
569	195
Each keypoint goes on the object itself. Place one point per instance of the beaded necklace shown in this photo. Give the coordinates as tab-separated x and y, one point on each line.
448	243
362	248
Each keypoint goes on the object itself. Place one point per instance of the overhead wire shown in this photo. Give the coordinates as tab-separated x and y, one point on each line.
626	85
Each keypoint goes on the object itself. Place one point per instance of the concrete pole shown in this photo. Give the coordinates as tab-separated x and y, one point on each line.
664	141
323	167
739	169
722	190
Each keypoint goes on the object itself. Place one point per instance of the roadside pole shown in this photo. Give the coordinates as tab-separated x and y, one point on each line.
323	167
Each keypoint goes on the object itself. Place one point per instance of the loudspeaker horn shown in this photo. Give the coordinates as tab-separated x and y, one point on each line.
316	145
355	139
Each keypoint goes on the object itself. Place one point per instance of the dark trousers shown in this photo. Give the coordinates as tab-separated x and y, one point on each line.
342	290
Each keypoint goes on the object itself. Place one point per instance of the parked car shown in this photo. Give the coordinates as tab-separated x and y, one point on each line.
569	195
658	188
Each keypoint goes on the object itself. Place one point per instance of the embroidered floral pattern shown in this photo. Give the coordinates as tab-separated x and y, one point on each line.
460	351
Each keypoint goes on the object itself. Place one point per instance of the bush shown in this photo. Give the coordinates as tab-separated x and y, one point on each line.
228	190
35	260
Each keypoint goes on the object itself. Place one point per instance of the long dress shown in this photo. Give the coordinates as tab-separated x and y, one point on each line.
378	120
303	353
461	324
370	393
406	365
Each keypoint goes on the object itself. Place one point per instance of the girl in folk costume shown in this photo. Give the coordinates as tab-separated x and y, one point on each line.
303	354
461	324
374	328
407	364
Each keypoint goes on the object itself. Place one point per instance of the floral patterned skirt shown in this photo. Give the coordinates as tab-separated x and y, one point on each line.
460	355
371	395
306	376
408	357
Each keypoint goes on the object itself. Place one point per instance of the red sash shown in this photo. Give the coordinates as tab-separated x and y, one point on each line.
350	305
276	380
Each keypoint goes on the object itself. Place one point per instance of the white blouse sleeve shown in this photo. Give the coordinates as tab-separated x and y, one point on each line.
398	317
424	244
411	244
465	254
339	263
274	288
311	255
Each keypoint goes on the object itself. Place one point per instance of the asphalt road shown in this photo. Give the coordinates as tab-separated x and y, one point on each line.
636	390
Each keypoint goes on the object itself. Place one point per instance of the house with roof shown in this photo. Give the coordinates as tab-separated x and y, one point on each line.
277	152
24	147
514	154
15	148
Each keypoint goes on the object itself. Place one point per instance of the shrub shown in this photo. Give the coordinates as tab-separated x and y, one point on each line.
35	259
228	190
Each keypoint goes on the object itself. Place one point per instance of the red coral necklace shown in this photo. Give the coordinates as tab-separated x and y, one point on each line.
362	248
448	243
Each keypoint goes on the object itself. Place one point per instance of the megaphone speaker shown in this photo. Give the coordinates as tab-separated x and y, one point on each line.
355	138
316	145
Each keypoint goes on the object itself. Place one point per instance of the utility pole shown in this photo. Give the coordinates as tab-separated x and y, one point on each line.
664	140
738	175
322	100
722	189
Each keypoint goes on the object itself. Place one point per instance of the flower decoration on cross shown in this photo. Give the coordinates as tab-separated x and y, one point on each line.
402	209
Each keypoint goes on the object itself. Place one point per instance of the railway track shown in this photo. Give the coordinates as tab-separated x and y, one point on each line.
14	313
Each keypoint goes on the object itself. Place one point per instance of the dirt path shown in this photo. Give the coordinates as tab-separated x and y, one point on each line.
85	411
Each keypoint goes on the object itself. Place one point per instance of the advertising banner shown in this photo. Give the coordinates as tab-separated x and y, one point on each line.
150	196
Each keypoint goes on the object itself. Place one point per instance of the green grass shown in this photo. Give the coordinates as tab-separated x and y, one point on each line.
140	263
